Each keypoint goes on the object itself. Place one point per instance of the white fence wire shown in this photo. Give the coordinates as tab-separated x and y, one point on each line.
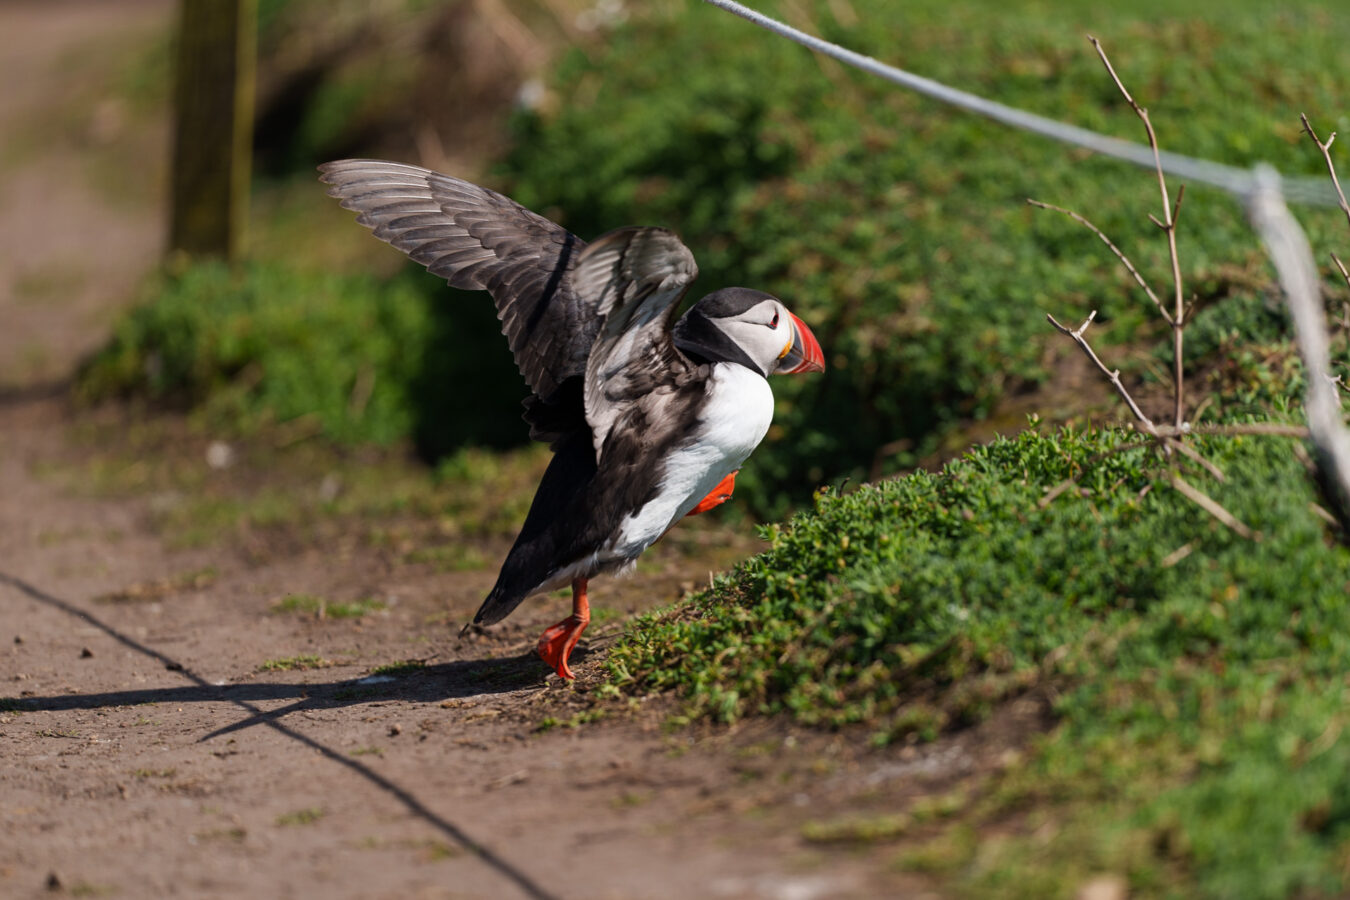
1241	182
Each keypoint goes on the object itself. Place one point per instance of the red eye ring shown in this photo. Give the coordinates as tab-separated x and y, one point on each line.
774	323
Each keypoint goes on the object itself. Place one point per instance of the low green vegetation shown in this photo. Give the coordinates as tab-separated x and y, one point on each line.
858	829
147	591
301	817
1198	676
294	663
319	608
278	493
350	358
401	668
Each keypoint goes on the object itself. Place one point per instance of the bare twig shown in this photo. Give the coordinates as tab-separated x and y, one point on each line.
1125	260
1053	494
1335	182
1177	555
1289	251
1340	265
1210	505
1322	513
1194	455
1278	429
1168	225
1331	167
1114	376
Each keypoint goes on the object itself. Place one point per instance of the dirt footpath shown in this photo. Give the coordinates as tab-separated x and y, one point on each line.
164	731
147	750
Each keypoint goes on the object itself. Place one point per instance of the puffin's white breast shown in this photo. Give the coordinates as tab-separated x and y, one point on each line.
732	422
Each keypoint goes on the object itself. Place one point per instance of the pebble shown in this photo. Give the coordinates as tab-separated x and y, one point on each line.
1104	887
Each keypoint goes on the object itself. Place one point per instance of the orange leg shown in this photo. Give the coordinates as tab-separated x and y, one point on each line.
555	645
719	495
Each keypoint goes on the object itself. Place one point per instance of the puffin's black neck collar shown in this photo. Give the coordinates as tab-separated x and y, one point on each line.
697	337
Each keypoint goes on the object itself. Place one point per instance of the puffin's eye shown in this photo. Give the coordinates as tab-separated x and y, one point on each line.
774	323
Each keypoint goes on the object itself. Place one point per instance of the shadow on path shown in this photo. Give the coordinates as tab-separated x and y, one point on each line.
245	695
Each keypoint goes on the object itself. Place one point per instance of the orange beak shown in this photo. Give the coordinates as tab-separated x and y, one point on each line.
803	354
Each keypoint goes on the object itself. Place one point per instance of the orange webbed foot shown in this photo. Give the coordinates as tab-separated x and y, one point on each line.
716	497
556	644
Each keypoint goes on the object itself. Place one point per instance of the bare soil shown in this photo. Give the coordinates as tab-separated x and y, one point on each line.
154	743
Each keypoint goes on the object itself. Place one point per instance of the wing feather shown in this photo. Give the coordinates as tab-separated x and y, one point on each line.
636	278
476	239
598	316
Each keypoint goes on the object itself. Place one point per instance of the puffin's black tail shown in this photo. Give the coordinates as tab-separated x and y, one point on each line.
557	532
497	606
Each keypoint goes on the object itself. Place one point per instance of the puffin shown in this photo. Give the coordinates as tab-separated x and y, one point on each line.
649	416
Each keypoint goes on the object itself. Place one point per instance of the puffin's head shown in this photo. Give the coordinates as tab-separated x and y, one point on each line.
748	327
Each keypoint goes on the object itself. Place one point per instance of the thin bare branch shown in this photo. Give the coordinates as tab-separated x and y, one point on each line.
1177	555
1053	494
1114	376
1322	513
1340	265
1278	429
1194	455
1331	167
1169	225
1116	78
1120	255
1210	505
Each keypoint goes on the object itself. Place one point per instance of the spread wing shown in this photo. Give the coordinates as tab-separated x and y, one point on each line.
635	278
477	239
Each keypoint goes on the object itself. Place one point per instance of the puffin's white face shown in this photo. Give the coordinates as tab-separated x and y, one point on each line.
773	338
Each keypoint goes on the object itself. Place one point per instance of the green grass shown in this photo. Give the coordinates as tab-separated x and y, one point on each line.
147	591
397	669
266	345
319	608
449	558
1200	700
301	817
858	829
294	663
306	493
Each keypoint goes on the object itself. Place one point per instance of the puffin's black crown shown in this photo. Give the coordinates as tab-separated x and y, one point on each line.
730	302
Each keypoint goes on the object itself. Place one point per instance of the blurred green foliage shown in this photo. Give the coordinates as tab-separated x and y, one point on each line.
352	358
897	227
1198	676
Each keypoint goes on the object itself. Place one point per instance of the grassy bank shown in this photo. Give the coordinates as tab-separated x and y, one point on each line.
1198	676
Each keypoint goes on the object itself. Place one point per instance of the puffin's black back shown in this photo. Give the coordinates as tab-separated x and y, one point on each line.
544	541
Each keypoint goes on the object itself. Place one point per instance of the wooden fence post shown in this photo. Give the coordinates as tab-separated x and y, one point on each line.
213	127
